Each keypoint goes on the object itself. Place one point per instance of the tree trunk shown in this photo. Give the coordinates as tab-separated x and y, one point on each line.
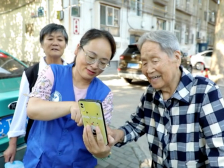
217	62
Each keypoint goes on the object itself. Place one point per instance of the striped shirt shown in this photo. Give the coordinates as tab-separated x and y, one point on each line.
184	131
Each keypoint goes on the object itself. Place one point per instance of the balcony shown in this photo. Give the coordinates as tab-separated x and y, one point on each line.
211	21
184	9
161	2
216	1
115	2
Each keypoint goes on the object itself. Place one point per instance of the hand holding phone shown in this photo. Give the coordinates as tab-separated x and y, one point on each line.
93	115
76	114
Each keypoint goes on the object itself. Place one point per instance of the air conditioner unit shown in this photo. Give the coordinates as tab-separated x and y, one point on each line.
60	15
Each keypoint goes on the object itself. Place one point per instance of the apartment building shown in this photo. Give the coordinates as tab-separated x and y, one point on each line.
192	21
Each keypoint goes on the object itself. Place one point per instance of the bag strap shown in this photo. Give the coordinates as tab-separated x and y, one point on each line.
31	74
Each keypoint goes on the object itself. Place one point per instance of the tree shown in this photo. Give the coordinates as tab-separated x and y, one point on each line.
217	63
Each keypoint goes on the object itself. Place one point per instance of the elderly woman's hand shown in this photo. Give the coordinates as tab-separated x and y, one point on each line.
76	114
96	146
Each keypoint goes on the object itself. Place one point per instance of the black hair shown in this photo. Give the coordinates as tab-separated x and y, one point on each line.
52	27
96	33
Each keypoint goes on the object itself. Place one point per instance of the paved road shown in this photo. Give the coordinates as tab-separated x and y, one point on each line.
126	98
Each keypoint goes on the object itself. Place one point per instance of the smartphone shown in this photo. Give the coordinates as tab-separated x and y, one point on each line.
93	115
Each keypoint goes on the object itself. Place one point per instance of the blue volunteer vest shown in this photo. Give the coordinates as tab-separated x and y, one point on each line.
58	143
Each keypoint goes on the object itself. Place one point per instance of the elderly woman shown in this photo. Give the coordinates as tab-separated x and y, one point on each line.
53	40
181	115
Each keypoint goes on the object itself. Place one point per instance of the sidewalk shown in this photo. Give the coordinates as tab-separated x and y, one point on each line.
127	156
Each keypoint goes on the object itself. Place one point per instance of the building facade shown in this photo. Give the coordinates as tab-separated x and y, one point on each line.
192	21
21	22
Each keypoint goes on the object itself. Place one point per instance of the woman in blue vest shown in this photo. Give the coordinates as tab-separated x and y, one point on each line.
56	137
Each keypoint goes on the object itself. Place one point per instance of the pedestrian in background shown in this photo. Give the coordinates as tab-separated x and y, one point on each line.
56	137
181	115
53	40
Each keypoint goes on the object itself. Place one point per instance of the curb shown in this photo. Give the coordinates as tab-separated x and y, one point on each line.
108	77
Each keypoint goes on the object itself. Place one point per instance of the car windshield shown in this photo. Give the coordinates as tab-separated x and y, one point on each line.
10	67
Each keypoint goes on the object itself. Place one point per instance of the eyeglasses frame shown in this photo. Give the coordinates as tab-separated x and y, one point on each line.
108	65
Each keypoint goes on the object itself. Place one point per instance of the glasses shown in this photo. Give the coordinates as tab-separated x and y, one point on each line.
91	58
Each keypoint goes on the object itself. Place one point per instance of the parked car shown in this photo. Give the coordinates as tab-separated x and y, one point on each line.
129	66
11	70
186	61
202	60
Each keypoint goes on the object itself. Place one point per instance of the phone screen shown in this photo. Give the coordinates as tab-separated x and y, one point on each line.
92	114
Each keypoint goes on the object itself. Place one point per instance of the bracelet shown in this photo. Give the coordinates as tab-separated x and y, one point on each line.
105	158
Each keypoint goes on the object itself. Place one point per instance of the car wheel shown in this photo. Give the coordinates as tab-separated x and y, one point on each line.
128	80
200	66
189	69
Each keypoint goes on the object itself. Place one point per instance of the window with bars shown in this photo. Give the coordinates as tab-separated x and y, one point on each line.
109	19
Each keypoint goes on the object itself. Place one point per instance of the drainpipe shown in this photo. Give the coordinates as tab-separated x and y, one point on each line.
173	17
48	12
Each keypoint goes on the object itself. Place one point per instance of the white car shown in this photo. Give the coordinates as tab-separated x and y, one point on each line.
202	60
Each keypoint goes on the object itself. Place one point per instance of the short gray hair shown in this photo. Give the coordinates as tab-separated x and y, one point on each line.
167	41
53	27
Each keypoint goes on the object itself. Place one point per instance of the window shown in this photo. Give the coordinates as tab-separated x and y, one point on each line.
178	3
208	54
75	11
109	19
188	5
136	5
212	16
133	4
177	32
192	39
74	5
210	39
187	34
9	67
161	24
134	38
139	8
